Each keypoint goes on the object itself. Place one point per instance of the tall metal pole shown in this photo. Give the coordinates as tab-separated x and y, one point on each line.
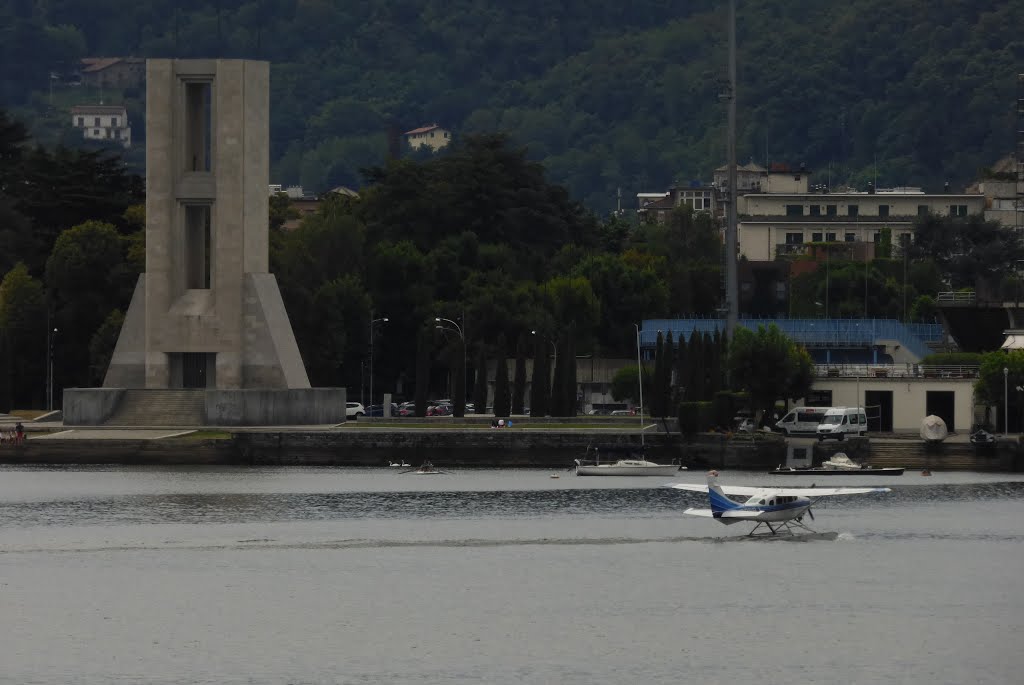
640	383
731	283
462	337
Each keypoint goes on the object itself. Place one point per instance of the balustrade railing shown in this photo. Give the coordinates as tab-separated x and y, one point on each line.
894	371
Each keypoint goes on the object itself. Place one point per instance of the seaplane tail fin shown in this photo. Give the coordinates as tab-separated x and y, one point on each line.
719	500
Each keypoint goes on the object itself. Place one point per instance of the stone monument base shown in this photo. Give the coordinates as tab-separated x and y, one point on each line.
199	407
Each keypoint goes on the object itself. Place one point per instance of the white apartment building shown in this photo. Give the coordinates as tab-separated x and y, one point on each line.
777	224
103	122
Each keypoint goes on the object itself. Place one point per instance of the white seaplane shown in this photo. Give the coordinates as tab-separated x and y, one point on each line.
777	509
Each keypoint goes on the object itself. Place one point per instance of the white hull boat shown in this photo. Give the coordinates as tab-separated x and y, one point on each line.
628	467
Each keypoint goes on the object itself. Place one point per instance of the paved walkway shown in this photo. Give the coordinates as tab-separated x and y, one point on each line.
107	434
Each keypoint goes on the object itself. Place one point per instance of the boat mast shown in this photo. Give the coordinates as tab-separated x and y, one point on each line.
640	383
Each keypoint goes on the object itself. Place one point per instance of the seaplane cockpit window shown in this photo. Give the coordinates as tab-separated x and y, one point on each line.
771	502
761	502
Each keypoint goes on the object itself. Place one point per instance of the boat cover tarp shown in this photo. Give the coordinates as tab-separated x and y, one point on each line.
933	429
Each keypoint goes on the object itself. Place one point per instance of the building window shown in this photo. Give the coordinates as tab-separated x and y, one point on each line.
958	210
848	237
853	210
794	210
815	210
922	210
819	398
96	121
81	122
794	238
816	237
113	121
883	210
830	237
877	237
830	210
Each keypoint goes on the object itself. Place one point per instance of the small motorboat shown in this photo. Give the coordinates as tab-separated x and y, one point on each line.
839	465
982	439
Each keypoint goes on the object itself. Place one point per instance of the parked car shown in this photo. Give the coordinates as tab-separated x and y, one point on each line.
439	410
353	410
378	410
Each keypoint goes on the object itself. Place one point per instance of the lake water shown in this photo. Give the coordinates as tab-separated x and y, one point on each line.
335	575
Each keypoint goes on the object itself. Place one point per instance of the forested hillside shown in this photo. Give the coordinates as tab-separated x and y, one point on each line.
606	94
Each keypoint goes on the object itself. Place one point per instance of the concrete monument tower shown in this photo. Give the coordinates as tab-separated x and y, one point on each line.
207	313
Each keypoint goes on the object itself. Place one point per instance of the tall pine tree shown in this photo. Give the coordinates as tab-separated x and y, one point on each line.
501	391
519	379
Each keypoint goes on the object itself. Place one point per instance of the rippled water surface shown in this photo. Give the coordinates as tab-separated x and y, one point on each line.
332	575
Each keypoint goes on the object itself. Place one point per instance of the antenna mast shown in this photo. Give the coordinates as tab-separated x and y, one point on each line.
731	285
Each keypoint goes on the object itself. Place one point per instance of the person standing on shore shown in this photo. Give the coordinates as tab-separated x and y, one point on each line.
19	433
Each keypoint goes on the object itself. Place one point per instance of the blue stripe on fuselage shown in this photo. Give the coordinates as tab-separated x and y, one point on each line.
721	502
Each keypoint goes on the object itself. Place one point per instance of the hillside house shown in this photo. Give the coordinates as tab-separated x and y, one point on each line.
113	72
103	122
432	136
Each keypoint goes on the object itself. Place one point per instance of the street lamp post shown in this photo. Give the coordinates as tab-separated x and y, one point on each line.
458	329
1006	397
372	323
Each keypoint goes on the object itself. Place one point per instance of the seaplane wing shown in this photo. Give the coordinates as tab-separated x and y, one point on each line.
824	492
748	491
699	512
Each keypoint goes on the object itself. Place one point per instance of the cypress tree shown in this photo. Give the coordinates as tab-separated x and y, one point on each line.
459	383
519	380
423	347
501	390
697	367
668	366
556	403
657	389
540	381
569	381
480	382
682	370
710	354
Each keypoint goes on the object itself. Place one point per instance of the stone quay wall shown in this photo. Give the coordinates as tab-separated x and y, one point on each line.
500	448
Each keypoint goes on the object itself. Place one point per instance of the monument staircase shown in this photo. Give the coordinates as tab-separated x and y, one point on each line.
160	408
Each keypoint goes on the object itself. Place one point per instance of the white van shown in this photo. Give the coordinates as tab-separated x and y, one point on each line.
801	421
842	421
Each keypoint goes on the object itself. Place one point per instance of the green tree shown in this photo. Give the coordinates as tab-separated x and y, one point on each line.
769	366
971	251
87	277
626	384
23	332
